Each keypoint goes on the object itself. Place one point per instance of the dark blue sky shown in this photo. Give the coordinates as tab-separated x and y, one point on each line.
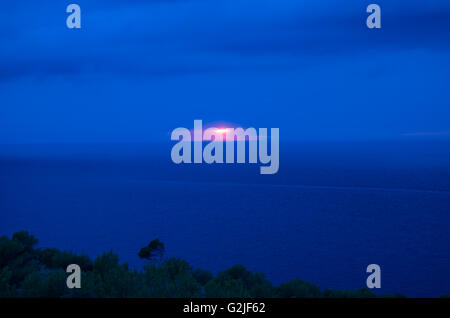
138	69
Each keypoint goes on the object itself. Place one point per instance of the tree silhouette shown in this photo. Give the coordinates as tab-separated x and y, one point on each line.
153	250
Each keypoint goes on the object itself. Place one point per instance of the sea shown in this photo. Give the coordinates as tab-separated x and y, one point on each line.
331	210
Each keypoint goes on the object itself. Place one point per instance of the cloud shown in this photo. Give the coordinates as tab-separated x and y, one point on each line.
176	37
427	133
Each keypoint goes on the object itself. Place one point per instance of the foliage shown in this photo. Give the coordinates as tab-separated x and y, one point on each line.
202	276
17	257
53	258
360	293
26	271
6	288
154	249
239	282
172	278
298	289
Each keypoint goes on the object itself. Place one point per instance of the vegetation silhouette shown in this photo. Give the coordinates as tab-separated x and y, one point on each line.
27	271
154	249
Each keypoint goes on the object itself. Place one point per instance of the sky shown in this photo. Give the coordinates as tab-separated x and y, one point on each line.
138	69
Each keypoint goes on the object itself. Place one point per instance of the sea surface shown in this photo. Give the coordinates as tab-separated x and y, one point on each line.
332	209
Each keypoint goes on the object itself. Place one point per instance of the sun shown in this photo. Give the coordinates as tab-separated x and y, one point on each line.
221	130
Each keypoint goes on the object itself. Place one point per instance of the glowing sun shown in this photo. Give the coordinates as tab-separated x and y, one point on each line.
221	130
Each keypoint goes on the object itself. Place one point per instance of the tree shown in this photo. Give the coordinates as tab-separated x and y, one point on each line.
238	281
299	289
26	271
153	250
172	278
